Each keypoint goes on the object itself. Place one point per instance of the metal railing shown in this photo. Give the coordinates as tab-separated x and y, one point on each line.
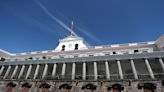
92	77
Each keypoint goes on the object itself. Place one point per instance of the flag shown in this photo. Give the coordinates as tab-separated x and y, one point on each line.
72	27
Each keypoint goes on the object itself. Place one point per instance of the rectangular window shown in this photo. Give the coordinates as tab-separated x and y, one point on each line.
136	51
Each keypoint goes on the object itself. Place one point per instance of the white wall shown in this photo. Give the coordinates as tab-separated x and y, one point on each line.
70	45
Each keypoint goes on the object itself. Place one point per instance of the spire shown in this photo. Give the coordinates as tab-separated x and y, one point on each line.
72	28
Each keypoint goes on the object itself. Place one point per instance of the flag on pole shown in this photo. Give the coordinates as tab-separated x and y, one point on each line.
71	27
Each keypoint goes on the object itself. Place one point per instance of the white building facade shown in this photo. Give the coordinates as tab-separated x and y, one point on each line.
76	67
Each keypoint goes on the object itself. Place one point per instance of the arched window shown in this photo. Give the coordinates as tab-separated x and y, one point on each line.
76	46
26	87
116	88
63	48
147	87
45	87
10	87
89	88
65	88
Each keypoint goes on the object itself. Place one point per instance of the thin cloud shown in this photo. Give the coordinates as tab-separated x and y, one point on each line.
53	17
89	35
64	25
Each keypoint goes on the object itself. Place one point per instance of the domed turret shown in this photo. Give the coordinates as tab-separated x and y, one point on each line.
71	42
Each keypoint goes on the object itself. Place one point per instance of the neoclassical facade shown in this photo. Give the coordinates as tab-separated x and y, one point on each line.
74	66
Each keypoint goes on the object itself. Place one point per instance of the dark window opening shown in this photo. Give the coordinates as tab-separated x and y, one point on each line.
44	57
145	51
76	56
2	59
76	46
91	55
63	48
116	88
114	52
147	87
136	51
107	54
30	58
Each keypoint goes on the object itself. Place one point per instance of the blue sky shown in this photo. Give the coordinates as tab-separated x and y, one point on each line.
25	25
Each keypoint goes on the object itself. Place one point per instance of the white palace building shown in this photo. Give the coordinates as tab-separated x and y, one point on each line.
74	66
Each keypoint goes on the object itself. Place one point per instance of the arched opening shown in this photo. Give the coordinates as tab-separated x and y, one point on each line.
147	87
44	87
26	87
76	46
10	87
65	88
63	48
116	88
89	88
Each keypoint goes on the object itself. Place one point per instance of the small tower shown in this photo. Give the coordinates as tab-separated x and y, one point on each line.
71	42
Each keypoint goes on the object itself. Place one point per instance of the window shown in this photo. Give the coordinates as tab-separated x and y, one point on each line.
76	46
107	54
44	57
63	48
2	59
91	55
116	88
147	87
136	51
75	56
145	51
30	58
114	52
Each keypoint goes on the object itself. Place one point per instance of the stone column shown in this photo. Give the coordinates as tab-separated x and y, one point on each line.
95	71
7	72
45	71
21	72
161	62
2	68
84	71
54	70
28	72
107	70
63	70
149	68
15	70
73	70
36	71
120	69
134	69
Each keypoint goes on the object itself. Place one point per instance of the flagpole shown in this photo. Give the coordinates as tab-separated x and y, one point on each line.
72	28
